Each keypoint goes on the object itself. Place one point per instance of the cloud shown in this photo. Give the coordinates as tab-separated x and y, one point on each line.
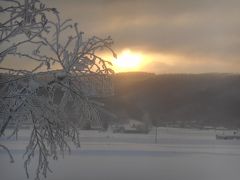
206	30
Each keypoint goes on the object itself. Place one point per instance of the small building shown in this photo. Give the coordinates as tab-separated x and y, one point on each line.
131	126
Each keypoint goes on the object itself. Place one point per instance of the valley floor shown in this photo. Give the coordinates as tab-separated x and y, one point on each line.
180	154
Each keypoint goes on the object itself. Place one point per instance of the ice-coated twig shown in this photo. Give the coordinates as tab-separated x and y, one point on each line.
9	153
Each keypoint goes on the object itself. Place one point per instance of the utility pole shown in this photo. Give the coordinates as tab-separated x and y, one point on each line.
156	135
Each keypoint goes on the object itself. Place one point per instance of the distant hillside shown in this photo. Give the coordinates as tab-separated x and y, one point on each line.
183	99
175	99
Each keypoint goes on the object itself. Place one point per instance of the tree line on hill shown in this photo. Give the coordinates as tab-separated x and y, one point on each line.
183	100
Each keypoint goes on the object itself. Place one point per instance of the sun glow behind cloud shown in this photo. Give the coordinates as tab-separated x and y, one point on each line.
128	61
137	60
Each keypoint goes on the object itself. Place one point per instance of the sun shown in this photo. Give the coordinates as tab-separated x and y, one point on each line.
128	61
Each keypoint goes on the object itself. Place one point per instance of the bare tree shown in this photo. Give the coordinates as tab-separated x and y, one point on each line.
52	96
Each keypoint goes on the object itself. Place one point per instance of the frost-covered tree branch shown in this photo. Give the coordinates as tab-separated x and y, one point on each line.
21	18
53	94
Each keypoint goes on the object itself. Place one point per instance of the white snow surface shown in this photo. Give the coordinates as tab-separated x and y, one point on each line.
180	154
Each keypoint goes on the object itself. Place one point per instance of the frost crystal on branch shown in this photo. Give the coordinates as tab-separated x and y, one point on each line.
55	95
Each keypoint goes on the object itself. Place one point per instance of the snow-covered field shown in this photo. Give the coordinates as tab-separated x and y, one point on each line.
181	154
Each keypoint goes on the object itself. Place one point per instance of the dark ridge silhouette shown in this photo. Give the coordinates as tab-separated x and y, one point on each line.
185	100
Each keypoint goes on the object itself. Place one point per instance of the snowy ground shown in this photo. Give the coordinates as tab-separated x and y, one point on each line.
181	154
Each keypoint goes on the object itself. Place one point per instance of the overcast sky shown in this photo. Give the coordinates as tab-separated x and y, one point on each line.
176	35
